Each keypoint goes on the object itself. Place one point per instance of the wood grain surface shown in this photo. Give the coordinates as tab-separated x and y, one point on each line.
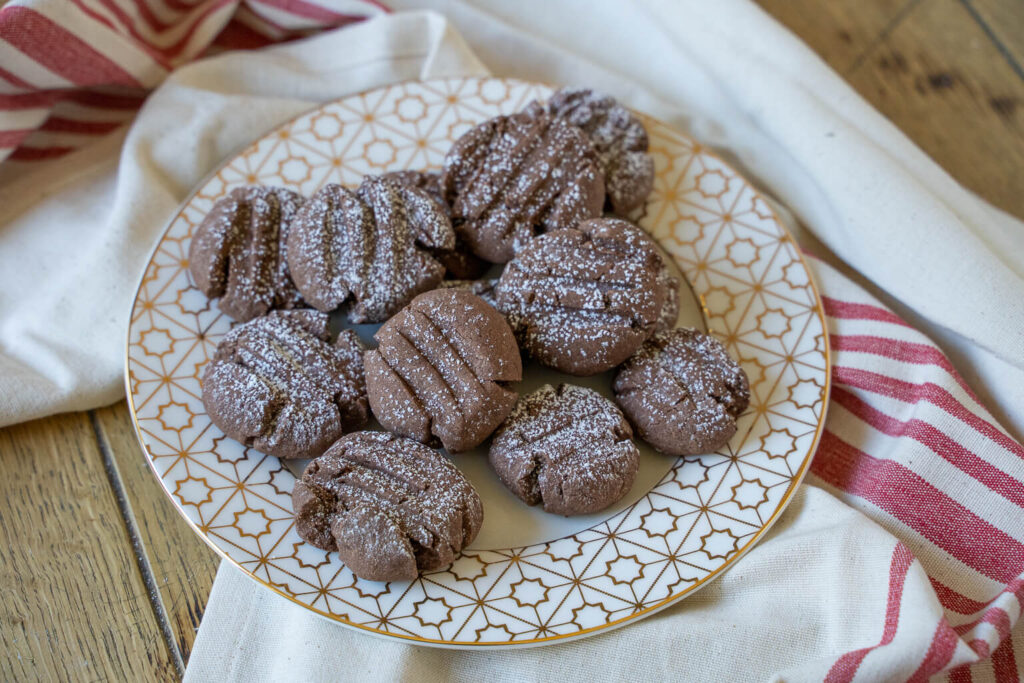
181	566
102	580
74	605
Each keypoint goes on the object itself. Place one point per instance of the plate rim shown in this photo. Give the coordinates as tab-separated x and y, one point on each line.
798	477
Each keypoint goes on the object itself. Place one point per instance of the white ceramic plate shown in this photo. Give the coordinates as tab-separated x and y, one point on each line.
529	578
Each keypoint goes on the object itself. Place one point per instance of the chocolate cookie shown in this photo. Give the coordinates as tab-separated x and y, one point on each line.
682	392
583	299
238	252
619	138
512	176
389	506
569	449
278	384
441	368
460	263
367	246
428	181
669	314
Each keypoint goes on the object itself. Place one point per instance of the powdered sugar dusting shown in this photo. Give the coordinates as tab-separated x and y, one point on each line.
401	505
459	262
277	383
619	139
568	448
239	252
513	176
584	299
368	245
440	370
683	392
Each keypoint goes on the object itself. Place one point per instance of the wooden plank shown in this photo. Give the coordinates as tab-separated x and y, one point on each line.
73	605
1003	20
948	87
840	31
936	72
182	565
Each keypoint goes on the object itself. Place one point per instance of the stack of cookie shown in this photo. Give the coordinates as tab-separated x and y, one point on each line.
546	193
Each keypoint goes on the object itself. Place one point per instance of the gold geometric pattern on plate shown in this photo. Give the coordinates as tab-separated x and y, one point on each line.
756	295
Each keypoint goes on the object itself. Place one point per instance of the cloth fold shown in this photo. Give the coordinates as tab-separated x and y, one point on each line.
62	344
903	554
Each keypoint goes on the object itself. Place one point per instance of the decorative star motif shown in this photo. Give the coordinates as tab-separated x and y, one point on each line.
590	614
253	523
719	543
750	494
156	341
778	443
773	322
494	634
712	184
432	611
529	592
294	170
805	393
326	126
194	491
624	570
175	416
691	473
659	522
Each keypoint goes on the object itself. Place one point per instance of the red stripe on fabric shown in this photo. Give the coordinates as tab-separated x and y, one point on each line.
175	50
1004	663
928	435
39	153
13	138
961	604
939	653
904	351
162	55
60	124
238	36
994	616
908	392
955	601
59	50
123	29
379	5
846	666
179	5
961	674
151	19
102	100
848	310
255	16
980	647
29	100
15	80
916	503
96	16
301	8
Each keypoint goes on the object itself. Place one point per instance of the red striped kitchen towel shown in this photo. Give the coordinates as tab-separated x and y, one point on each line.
71	70
908	443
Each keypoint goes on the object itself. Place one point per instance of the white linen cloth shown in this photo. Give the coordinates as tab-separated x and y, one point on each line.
822	584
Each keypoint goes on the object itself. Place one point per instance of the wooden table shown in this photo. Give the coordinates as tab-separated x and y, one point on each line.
100	578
